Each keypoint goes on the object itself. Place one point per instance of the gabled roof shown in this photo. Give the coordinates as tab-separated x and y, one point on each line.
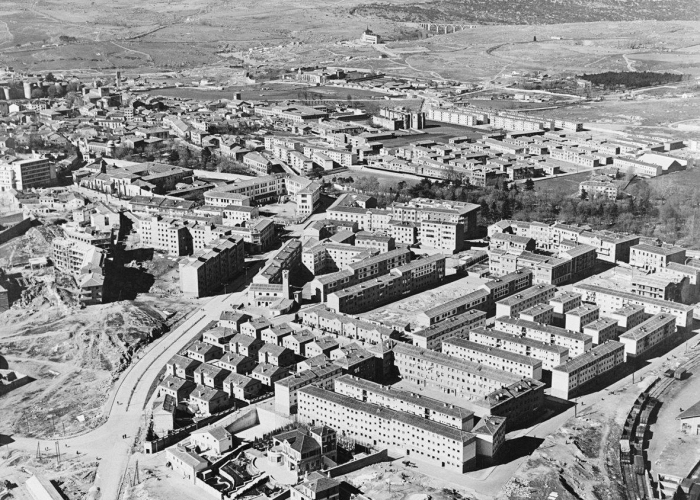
692	412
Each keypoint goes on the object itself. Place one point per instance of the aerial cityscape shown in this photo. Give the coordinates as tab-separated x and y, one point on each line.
399	250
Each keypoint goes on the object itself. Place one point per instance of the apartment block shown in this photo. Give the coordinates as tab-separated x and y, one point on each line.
515	304
404	280
636	167
452	375
476	300
655	286
507	285
76	258
166	233
681	271
610	300
358	272
500	359
405	401
577	343
432	336
652	258
595	189
602	330
399	432
376	241
511	242
577	318
26	173
627	317
563	303
286	389
539	313
442	235
452	115
208	269
647	335
571	377
610	247
550	355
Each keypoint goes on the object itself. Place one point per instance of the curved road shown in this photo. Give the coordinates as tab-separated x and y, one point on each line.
131	396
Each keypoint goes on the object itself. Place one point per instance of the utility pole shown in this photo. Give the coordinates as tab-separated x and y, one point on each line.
58	454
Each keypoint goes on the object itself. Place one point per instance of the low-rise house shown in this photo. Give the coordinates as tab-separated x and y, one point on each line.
216	439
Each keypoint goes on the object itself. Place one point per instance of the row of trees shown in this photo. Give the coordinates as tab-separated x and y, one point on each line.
178	154
631	79
664	210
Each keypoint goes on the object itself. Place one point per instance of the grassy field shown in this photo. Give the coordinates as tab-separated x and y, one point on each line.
567	184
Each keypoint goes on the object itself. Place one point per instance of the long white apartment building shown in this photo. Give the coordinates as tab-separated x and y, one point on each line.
433	336
639	168
409	402
649	334
569	378
452	375
610	300
455	116
515	304
401	433
494	357
550	355
577	343
478	299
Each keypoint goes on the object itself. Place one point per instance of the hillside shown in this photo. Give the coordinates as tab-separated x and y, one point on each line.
74	354
531	11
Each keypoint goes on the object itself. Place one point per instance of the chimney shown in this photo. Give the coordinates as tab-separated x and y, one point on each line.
285	284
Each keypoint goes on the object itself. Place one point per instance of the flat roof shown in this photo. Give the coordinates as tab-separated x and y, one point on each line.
454	363
387	414
525	341
526	294
541	327
633	296
643	329
407	396
591	356
494	351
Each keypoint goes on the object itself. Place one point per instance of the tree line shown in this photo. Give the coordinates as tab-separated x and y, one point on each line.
665	210
631	79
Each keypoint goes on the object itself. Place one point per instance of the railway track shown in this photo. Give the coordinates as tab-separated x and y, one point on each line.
636	485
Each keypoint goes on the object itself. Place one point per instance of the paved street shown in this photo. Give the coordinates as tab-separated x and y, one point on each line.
125	405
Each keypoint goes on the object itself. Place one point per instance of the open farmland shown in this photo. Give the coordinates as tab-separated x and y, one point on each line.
270	35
